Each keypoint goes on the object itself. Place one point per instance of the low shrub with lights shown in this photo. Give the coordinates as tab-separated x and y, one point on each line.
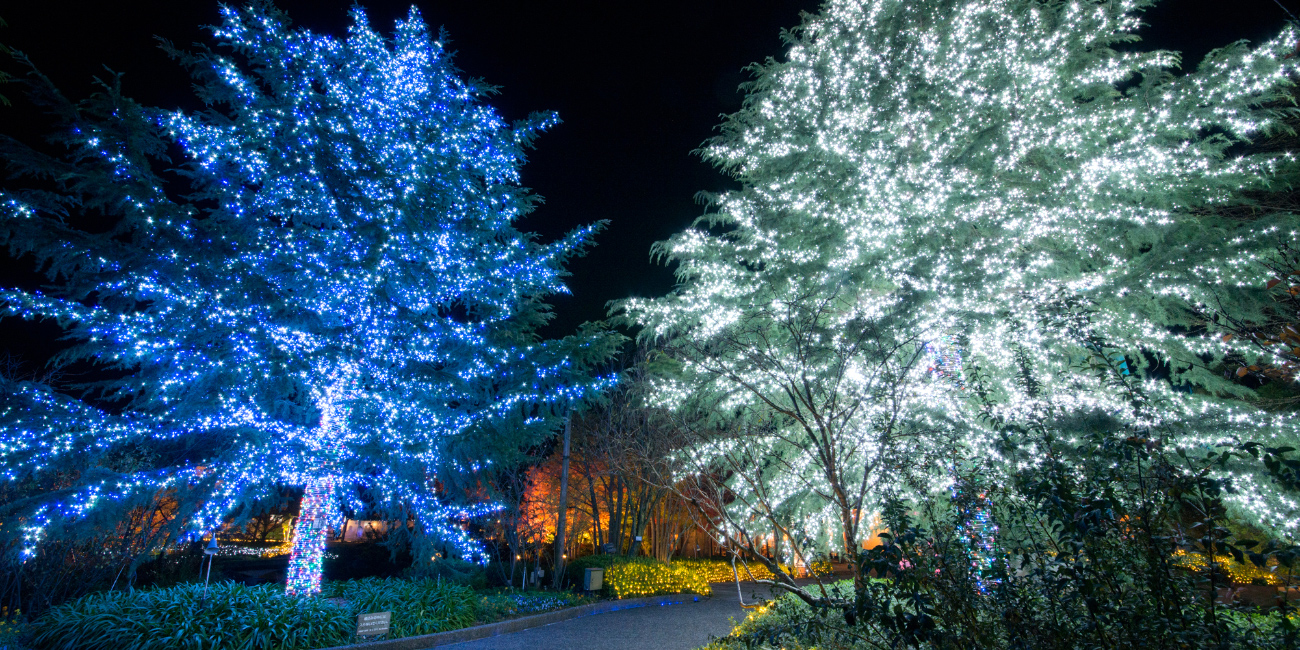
822	568
631	577
713	570
1242	573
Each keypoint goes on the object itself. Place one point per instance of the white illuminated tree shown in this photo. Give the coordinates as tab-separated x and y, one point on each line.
1053	207
339	292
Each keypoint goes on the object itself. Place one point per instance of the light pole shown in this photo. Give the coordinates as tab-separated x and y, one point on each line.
211	553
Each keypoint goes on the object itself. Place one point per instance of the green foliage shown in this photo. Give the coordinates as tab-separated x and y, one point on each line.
12	629
1088	557
631	577
789	623
232	616
504	605
261	617
419	606
1092	552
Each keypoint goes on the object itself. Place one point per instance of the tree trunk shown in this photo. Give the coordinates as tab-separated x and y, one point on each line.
616	517
776	542
595	513
317	507
564	506
309	538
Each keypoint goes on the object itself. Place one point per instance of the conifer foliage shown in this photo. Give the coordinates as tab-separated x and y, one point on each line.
326	289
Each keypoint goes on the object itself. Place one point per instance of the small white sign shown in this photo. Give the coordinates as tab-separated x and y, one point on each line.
373	624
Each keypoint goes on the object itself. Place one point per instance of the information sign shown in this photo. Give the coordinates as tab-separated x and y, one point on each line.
373	624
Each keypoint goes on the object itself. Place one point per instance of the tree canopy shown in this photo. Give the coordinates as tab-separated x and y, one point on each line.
1062	219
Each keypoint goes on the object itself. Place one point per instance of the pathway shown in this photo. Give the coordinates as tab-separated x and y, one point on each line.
670	627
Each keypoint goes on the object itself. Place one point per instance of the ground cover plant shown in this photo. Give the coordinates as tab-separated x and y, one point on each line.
230	616
265	617
502	604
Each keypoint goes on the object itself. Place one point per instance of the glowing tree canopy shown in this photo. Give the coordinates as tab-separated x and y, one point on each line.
332	291
1053	207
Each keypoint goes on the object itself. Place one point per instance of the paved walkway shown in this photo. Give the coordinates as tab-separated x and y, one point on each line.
671	627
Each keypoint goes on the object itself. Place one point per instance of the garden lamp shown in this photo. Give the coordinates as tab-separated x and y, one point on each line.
211	552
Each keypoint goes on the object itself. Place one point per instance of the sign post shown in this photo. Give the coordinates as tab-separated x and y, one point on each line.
373	624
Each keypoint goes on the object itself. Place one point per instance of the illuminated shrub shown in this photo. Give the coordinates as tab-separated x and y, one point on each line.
1239	573
630	577
822	568
713	570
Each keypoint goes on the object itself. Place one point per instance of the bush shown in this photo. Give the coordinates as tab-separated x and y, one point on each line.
1099	544
629	577
790	624
418	606
711	570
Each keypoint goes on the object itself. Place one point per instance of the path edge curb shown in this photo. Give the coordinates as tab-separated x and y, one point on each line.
516	624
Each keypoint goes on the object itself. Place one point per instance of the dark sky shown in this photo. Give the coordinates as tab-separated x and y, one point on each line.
639	85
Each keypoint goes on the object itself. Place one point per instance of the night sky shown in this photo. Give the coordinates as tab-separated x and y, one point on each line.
639	85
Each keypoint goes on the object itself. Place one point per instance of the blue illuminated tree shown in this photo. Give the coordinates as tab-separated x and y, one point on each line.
328	289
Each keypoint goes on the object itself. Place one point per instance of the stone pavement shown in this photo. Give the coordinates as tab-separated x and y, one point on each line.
670	627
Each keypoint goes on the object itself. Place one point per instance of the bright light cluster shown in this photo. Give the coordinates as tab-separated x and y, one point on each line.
340	291
991	172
